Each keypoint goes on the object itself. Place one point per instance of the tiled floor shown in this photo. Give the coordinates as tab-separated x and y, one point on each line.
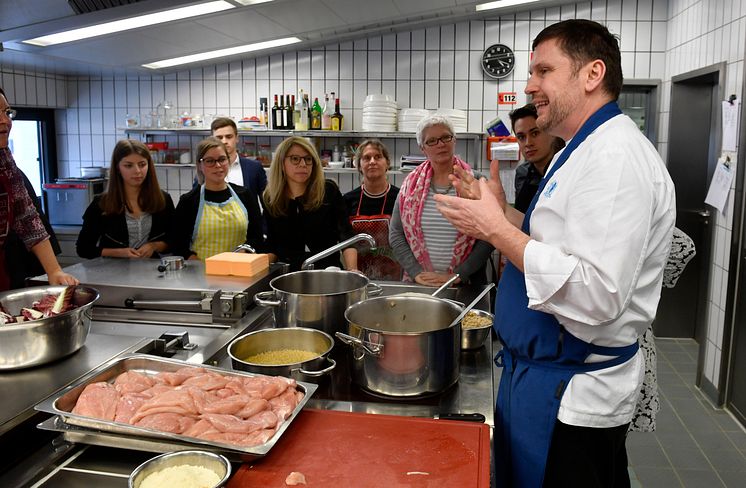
695	445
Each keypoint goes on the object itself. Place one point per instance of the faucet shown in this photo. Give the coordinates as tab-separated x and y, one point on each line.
308	263
245	247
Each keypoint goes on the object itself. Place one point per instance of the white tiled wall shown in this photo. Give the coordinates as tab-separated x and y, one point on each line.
33	89
702	33
430	68
436	67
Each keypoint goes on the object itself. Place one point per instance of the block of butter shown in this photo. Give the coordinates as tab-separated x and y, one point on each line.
236	264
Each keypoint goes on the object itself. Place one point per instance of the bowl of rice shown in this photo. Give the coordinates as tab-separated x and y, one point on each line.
185	469
475	328
284	351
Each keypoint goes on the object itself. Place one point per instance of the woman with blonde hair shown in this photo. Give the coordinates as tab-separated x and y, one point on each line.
131	218
215	216
305	213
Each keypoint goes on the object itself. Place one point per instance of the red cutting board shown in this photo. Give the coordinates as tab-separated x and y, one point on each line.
342	449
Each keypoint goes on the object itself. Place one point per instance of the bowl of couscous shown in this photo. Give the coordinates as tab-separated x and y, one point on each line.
185	469
285	351
475	328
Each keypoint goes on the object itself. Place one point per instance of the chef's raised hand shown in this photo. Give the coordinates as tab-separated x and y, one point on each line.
464	182
477	218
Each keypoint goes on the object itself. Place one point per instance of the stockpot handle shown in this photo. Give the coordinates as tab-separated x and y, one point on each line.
263	299
320	372
374	289
368	347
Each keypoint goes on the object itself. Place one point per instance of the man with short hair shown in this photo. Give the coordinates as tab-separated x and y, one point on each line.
537	149
243	171
585	269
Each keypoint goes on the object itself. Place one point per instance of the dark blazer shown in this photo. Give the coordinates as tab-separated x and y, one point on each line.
110	231
182	228
254	176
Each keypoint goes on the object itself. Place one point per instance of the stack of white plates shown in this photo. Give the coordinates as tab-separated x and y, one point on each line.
379	113
457	117
409	117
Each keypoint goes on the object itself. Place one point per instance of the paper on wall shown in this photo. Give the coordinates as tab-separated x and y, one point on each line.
717	195
730	124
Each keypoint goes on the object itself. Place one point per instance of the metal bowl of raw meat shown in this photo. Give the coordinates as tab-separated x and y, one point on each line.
180	468
37	341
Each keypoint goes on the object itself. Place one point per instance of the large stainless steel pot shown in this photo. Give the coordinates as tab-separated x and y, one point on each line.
42	341
316	299
404	345
265	340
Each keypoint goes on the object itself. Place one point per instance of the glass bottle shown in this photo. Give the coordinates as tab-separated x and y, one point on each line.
326	115
337	117
276	122
316	115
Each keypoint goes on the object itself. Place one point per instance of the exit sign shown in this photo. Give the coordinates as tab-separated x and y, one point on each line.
506	98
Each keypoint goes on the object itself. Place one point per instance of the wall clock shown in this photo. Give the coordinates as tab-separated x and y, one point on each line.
498	61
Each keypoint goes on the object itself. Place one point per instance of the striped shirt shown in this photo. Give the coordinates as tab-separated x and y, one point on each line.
138	228
439	234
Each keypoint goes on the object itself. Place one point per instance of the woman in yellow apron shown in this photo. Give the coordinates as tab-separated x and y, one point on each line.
369	207
216	216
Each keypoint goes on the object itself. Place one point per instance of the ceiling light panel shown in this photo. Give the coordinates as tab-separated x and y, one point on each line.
221	53
502	4
131	23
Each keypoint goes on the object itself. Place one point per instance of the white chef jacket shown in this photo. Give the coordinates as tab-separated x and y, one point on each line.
600	234
235	173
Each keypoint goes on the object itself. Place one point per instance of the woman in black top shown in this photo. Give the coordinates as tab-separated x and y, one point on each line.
370	206
130	220
305	214
215	216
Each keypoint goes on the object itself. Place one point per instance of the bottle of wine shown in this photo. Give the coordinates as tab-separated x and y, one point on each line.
316	115
276	122
291	112
287	121
337	117
326	115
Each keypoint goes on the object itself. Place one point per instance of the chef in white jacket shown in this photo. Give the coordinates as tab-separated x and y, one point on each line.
584	274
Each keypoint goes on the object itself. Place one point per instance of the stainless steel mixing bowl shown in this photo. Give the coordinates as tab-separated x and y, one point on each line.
41	341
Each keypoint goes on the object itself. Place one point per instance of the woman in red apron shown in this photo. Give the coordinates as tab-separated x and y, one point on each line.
370	206
17	211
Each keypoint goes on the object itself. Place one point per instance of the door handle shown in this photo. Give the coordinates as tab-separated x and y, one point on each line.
705	214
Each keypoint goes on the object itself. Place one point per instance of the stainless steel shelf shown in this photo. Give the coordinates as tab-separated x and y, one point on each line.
284	133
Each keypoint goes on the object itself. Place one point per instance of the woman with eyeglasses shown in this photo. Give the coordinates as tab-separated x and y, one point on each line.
305	213
131	218
427	246
369	208
215	216
18	214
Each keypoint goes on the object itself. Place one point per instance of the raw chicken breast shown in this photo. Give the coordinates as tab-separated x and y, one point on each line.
98	400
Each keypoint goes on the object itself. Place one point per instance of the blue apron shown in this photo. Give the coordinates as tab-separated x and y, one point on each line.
539	358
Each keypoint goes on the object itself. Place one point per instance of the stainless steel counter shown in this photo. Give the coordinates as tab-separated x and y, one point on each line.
22	389
116	329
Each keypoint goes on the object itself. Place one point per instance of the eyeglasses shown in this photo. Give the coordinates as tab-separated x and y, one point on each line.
209	162
295	160
10	113
434	141
368	158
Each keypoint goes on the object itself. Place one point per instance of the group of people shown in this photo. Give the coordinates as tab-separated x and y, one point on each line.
291	215
586	242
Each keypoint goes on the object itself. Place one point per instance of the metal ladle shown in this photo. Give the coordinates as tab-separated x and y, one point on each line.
471	305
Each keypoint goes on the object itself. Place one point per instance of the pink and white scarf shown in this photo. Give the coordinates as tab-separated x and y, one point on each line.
412	196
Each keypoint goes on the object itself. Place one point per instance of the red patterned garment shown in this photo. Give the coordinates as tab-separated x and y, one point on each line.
17	211
412	197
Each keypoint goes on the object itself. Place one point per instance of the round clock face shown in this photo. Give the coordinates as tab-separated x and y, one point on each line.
498	61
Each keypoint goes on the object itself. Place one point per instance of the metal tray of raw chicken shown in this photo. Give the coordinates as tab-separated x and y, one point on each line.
63	403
